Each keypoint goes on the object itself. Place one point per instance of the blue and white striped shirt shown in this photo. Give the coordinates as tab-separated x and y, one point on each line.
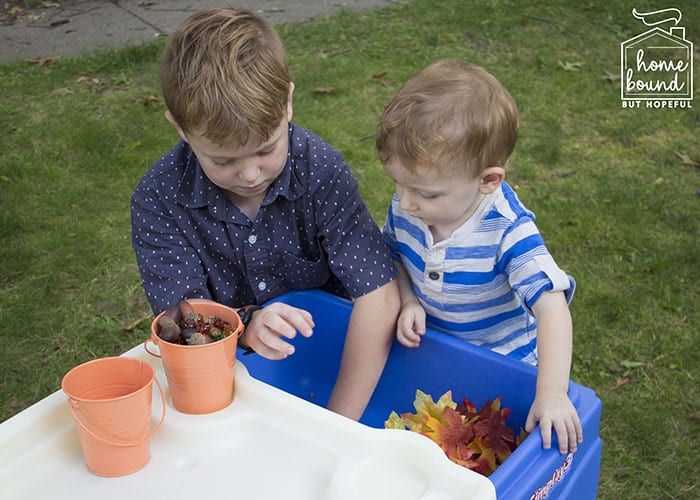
479	285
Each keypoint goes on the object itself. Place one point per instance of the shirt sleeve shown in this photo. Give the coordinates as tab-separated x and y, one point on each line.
530	267
170	268
352	240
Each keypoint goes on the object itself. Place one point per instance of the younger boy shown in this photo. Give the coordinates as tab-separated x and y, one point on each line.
473	262
248	206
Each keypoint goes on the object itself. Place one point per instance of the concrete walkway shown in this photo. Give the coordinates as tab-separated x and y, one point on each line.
73	28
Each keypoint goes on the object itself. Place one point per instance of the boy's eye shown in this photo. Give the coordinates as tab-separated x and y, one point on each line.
427	196
266	151
222	161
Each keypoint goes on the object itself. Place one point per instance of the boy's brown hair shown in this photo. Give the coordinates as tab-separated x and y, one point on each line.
450	115
224	75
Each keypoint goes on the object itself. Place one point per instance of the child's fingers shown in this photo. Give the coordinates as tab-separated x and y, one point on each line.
287	320
407	337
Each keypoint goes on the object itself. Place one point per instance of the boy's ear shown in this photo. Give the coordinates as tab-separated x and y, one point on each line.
169	116
290	108
491	179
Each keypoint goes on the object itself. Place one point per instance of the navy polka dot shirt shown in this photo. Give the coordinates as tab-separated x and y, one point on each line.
313	230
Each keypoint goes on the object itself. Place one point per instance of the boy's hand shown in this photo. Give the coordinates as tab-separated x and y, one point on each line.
410	326
268	325
554	410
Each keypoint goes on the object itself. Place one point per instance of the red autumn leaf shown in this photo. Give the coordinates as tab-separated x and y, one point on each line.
492	431
468	409
453	434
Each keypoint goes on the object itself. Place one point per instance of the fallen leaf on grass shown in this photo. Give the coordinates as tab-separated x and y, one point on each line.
43	60
380	79
148	100
620	382
611	77
324	90
687	160
130	326
570	66
87	79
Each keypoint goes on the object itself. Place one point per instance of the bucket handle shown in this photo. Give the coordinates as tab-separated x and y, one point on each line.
145	346
73	403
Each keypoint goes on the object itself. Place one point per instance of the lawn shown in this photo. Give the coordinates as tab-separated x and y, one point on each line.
614	190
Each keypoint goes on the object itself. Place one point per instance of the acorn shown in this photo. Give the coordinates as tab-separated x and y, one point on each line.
168	329
174	313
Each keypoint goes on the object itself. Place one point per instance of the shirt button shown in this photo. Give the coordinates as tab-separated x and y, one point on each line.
252	239
434	275
262	286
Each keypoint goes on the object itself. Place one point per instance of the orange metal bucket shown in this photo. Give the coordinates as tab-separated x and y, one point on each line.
200	377
110	399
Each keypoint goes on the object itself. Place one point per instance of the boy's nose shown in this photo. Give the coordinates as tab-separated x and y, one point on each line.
249	172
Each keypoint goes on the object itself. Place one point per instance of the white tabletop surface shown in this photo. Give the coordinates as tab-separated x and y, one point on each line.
267	444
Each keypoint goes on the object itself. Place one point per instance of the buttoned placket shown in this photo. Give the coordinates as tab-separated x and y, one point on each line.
434	268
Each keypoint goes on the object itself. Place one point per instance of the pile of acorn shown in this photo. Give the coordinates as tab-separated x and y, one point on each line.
180	324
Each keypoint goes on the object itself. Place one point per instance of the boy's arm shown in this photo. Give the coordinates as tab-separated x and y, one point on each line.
367	344
552	408
411	323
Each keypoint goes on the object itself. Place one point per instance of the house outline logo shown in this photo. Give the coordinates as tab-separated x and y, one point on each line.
657	65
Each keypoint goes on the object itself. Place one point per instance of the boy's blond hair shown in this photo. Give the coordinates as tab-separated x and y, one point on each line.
224	76
450	115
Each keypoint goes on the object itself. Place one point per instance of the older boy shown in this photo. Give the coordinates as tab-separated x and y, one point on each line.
248	206
473	262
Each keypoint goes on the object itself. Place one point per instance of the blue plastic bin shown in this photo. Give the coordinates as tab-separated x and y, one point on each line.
442	363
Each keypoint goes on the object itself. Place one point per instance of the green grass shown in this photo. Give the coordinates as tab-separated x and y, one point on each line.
615	203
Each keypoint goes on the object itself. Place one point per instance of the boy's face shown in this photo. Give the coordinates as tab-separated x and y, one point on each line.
442	201
243	172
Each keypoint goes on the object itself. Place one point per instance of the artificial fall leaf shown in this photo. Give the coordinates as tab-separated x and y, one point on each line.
394	422
486	456
424	403
452	433
492	432
468	409
521	437
425	408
